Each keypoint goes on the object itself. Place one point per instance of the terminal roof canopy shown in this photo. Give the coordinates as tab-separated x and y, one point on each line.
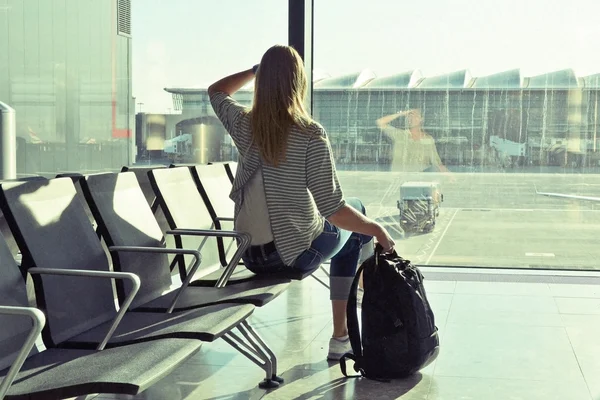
398	81
350	81
563	79
456	79
592	81
502	80
367	79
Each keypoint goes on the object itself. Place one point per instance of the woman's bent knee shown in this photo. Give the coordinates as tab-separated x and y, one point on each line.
355	203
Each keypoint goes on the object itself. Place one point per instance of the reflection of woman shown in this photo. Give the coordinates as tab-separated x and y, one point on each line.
413	149
286	190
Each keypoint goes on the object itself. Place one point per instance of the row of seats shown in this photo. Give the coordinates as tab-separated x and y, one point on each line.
209	185
91	344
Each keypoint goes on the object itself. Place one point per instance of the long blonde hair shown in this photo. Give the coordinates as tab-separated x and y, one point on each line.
279	93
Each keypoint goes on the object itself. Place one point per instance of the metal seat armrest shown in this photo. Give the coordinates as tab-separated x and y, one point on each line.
134	279
39	320
245	241
207	232
165	250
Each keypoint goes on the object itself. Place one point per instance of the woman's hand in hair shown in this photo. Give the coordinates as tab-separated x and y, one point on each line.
232	83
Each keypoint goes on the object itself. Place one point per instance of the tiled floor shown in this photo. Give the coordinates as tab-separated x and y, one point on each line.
499	341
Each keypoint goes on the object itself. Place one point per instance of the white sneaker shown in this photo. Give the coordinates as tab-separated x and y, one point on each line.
338	347
359	297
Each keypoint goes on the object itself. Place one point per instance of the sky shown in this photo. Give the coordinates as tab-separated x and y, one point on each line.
192	43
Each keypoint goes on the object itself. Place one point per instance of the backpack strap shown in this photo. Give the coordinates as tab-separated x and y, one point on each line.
353	330
350	356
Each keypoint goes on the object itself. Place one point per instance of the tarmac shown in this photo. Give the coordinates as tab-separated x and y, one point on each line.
492	219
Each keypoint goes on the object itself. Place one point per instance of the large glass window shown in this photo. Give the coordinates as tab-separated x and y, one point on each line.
489	106
65	67
98	84
179	48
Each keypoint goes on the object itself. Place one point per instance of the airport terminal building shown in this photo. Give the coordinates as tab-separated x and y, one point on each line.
504	119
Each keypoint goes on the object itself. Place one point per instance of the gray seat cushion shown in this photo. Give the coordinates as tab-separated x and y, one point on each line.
257	292
206	324
241	274
62	373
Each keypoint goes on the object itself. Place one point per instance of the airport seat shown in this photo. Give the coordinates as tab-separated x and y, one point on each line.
177	165
214	188
30	373
184	208
223	245
52	230
141	173
125	220
230	168
30	178
75	177
4	229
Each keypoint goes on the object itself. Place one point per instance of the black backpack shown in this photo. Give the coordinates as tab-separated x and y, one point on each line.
399	336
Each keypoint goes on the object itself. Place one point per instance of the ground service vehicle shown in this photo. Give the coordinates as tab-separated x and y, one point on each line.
419	206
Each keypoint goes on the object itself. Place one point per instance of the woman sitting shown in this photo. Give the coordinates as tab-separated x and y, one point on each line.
286	190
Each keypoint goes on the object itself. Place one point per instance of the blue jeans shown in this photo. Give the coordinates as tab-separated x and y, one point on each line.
340	246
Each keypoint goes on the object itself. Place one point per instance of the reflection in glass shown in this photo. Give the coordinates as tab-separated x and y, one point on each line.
413	149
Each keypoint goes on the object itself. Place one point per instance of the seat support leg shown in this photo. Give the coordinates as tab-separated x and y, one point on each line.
265	348
252	350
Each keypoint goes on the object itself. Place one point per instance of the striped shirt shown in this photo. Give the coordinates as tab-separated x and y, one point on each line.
300	192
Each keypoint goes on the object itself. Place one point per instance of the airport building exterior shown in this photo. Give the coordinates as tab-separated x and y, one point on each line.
503	119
